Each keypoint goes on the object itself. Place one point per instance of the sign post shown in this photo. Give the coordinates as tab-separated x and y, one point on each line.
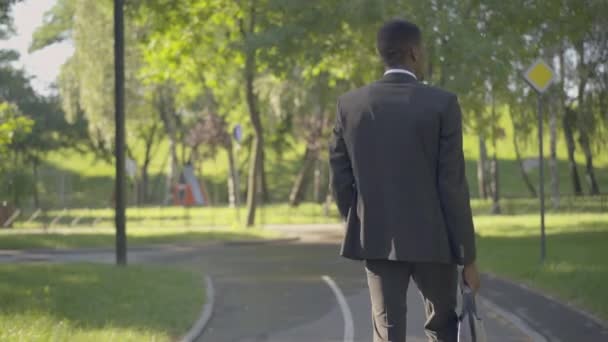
540	76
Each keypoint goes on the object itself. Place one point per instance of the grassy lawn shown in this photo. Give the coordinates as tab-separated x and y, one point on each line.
104	237
306	213
87	302
70	178
168	217
576	269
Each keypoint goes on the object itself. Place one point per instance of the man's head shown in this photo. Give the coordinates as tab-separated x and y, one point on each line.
399	43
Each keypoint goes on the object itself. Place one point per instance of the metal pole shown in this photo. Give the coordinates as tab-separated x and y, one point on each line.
237	184
119	101
543	251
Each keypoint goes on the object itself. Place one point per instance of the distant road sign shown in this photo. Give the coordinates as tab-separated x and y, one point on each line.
131	167
539	76
238	132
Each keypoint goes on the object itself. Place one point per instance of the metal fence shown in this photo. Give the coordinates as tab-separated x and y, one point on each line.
223	216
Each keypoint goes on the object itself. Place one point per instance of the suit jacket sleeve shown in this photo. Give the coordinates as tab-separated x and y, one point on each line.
453	187
342	178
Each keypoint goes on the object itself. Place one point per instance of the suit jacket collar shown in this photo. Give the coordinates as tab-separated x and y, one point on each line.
398	78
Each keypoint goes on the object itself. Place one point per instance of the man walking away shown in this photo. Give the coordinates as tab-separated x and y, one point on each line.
398	174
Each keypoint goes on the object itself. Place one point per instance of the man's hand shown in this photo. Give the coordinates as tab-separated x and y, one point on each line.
470	274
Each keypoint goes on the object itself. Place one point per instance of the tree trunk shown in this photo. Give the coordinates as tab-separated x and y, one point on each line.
172	175
603	102
299	185
584	121
233	181
252	182
312	152
524	174
553	167
328	199
495	185
481	168
568	123
256	161
143	191
558	110
145	180
317	181
15	182
35	190
263	180
166	107
594	188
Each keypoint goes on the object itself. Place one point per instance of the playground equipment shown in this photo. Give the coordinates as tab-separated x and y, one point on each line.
189	191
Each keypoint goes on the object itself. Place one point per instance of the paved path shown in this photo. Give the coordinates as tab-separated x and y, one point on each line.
273	293
547	317
276	292
554	320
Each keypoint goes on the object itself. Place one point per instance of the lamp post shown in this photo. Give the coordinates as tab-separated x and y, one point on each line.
119	102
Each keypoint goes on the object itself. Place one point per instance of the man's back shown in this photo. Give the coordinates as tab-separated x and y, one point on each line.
402	139
398	174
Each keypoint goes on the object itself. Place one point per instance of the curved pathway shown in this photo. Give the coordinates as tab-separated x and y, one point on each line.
302	291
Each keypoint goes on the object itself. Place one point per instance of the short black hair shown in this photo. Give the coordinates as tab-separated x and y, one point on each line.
394	40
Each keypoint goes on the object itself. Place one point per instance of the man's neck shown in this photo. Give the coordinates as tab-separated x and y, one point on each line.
401	67
400	70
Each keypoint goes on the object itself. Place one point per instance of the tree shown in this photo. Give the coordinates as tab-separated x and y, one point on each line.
6	22
149	134
522	120
86	81
582	33
276	67
14	127
242	42
49	131
212	132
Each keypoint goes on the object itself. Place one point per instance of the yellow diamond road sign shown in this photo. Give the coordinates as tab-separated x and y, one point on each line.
539	75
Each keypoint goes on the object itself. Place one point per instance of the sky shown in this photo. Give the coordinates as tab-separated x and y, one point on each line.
43	64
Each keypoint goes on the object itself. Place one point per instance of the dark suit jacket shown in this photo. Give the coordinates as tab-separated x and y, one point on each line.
398	173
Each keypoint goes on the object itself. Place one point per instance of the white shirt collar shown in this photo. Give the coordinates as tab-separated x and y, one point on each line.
400	71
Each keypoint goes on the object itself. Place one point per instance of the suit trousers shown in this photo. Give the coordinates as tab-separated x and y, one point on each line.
388	283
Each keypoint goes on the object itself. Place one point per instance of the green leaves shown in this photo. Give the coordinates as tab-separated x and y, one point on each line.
57	25
14	126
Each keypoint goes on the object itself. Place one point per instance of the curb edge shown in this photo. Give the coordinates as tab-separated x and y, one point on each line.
568	304
534	335
206	314
261	242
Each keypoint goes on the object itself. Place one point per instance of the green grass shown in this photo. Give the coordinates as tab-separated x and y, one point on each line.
568	204
167	217
137	236
306	213
89	302
576	269
66	187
